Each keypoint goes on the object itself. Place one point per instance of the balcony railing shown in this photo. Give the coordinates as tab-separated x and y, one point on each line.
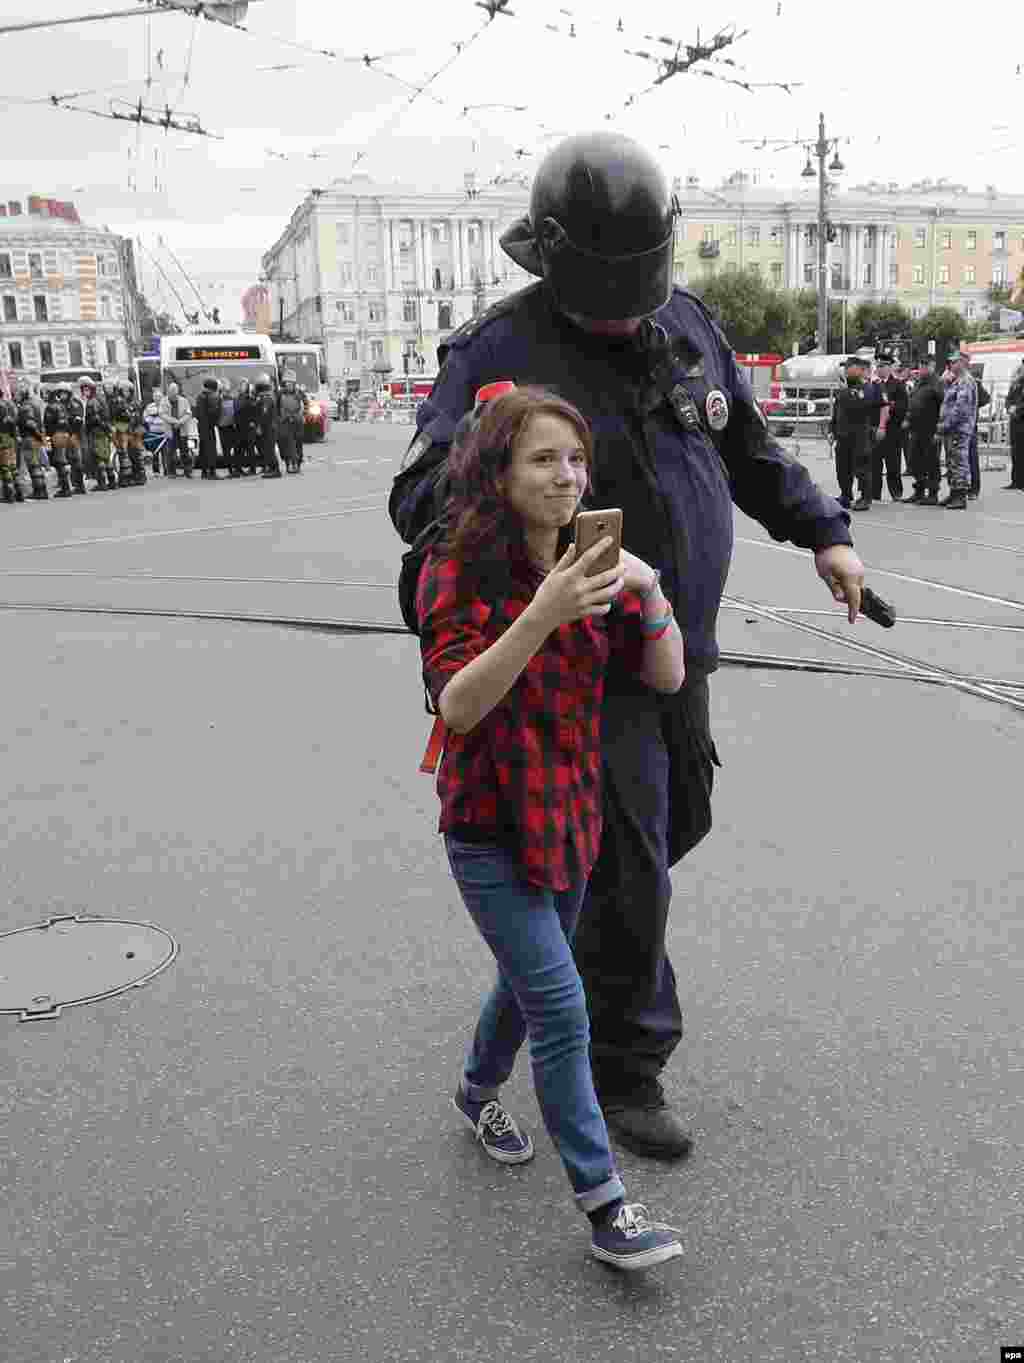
708	250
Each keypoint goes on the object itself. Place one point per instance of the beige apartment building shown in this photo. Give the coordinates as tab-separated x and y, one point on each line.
380	274
66	298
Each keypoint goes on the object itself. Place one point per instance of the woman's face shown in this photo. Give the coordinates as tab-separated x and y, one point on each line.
547	474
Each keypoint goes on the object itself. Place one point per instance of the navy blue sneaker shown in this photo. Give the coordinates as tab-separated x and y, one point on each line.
630	1239
496	1131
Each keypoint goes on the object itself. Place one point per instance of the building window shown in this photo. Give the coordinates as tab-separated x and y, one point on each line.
753	236
35	265
808	274
439	231
999	241
39	306
14	349
754	268
972	241
917	311
894	274
918	274
999	276
108	266
343	234
5	266
10	308
837	277
408	309
371	274
844	236
776	271
943	274
708	233
920	236
376	350
45	355
869	275
346	276
869	236
970	274
730	236
105	306
810	234
351	354
473	234
374	313
111	352
444	316
969	312
405	236
75	354
347	311
946	240
894	237
775	235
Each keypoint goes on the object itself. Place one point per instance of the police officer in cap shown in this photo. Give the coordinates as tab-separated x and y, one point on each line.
678	438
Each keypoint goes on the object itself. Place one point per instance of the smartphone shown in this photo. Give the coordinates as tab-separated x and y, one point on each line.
592	526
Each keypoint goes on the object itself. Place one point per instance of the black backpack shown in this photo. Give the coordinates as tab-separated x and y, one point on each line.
409	573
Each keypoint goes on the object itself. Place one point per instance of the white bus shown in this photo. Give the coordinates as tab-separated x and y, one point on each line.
306	361
229	356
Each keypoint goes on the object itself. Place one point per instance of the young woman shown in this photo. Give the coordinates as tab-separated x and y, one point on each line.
515	639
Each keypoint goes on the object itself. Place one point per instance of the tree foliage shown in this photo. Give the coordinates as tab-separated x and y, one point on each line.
873	322
944	326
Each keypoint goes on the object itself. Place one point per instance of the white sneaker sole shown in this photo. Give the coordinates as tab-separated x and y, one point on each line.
500	1156
645	1259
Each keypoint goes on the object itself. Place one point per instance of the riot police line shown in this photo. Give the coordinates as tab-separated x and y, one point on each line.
102	432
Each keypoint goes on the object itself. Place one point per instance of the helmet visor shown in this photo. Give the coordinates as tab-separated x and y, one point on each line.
610	288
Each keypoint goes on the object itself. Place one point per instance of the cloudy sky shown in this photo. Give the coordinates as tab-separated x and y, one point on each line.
291	119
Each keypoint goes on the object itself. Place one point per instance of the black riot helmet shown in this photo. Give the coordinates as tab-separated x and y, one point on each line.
600	228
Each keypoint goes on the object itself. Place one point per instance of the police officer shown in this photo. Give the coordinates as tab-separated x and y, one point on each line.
56	426
96	426
208	410
266	427
956	424
245	429
75	406
226	428
922	420
1015	409
30	438
678	436
291	409
888	451
12	489
119	407
851	432
136	434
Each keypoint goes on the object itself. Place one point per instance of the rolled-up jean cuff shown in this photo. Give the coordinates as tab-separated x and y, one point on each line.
476	1093
608	1191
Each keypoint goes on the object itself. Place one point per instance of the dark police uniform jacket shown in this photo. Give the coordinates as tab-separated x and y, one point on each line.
675	488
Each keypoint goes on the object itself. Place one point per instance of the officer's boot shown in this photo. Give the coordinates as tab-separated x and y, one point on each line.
124	470
102	485
78	479
138	469
187	464
64	490
957	499
39	489
8	490
19	491
931	497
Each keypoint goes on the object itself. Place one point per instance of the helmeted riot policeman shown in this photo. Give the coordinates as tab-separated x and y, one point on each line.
30	439
208	410
74	405
678	437
96	430
291	408
266	425
12	489
56	424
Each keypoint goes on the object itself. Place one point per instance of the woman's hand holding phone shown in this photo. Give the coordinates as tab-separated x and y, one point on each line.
568	594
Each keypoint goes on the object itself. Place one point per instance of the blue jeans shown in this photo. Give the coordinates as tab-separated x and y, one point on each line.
538	992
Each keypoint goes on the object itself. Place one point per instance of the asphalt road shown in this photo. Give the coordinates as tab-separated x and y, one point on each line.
252	1157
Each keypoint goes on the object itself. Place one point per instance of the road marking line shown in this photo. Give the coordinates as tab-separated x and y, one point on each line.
904	577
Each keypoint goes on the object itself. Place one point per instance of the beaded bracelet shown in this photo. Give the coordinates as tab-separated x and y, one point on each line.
661	631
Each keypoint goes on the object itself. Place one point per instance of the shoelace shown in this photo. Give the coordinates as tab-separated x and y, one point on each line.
496	1120
633	1218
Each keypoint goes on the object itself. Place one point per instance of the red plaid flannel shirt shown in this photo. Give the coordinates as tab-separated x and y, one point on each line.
530	771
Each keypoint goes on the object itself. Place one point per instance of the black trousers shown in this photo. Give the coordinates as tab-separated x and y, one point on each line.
1017	453
227	444
888	453
208	449
659	761
924	461
853	461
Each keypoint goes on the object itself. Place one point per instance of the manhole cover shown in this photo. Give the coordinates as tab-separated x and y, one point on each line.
77	959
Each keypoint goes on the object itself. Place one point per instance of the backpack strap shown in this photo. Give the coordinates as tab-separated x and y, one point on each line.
435	746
